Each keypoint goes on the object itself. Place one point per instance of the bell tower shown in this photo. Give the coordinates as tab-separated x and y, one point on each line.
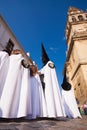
76	56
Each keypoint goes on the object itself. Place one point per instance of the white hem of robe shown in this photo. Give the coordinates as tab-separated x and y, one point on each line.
70	104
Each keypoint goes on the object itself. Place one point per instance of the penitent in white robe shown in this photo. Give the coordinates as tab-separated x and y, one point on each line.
70	104
37	97
24	109
54	105
43	112
4	64
10	97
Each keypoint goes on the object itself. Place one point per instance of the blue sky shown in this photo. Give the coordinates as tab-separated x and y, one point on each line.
37	21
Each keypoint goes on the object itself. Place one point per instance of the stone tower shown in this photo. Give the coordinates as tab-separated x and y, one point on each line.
76	55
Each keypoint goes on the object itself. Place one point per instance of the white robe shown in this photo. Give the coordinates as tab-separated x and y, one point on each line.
25	95
10	97
37	97
54	105
70	104
4	65
42	98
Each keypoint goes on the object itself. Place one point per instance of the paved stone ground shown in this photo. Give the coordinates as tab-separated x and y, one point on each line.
44	124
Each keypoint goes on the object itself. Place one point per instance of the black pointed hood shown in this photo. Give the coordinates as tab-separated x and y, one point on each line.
45	57
66	85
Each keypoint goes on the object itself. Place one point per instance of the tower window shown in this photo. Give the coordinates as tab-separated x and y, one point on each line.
86	15
78	84
73	19
80	17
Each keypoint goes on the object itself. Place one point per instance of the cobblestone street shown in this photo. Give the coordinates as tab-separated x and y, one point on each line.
44	124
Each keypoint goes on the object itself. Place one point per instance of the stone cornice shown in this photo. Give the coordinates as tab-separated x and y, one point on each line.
80	35
78	66
68	30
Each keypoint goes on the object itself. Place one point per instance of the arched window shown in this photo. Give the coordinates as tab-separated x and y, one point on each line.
86	15
73	19
80	17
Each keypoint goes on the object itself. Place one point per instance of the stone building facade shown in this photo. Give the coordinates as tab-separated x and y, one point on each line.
7	38
76	55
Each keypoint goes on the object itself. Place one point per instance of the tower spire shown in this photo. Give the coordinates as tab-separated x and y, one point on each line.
73	10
